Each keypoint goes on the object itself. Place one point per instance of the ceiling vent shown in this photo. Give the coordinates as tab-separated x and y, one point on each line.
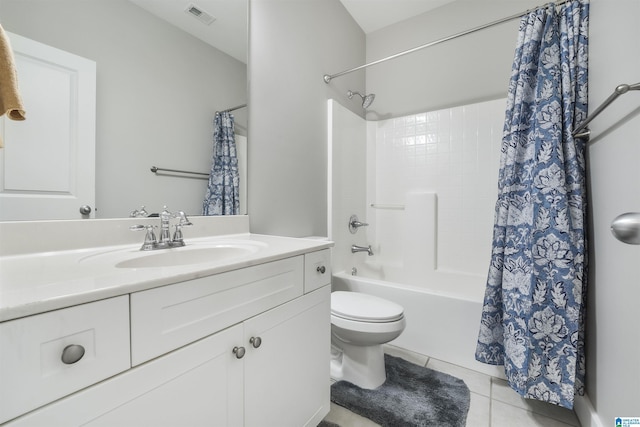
198	13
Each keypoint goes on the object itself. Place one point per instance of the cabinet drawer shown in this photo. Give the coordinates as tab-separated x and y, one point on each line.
317	270
32	372
169	317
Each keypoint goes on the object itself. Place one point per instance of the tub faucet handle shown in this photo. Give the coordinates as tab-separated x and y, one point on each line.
355	223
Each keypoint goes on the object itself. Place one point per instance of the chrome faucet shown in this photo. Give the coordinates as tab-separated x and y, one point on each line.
142	213
165	241
356	248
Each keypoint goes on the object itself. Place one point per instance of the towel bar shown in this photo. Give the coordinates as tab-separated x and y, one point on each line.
156	169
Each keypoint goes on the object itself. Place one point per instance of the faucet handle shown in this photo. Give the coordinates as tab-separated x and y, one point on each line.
177	236
184	221
139	213
354	224
149	239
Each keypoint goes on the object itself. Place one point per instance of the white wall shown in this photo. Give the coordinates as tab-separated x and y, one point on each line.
472	68
613	332
292	45
157	91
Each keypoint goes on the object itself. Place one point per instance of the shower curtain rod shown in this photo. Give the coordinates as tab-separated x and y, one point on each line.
237	107
328	77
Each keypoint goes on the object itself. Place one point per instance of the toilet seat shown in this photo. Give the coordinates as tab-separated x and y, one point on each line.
359	307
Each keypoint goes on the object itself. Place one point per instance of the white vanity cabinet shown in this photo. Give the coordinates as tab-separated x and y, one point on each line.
243	348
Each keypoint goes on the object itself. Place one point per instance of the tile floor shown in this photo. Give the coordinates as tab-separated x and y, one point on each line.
493	403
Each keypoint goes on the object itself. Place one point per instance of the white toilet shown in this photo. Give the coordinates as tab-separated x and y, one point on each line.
360	324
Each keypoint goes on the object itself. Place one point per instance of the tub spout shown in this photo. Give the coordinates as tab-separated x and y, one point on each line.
356	248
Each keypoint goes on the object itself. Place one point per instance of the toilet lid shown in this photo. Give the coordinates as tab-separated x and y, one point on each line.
363	307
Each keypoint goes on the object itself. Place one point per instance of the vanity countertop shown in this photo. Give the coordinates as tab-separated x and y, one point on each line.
38	282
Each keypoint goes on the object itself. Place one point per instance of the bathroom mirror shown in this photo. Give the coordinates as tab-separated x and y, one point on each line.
163	68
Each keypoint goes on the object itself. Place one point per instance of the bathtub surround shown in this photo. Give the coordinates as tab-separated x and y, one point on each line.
440	167
222	196
411	395
533	315
431	177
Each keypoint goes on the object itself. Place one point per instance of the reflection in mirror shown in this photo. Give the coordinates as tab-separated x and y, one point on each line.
157	90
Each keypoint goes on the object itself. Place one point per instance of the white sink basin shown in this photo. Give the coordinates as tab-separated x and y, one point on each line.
174	257
200	253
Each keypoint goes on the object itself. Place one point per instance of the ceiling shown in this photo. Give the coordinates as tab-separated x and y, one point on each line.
228	32
372	15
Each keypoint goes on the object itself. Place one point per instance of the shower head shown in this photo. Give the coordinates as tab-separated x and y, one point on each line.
367	100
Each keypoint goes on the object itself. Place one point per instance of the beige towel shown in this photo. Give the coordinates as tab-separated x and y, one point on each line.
10	101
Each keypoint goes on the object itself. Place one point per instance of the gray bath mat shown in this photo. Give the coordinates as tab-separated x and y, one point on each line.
411	396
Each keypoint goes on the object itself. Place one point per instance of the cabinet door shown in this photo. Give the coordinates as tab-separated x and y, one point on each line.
287	376
197	385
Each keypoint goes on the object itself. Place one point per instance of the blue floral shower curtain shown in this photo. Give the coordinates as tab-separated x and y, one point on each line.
533	314
222	196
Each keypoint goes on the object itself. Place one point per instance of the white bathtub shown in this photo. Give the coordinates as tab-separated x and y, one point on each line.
442	314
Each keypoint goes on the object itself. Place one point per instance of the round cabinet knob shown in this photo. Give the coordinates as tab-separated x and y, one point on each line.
321	269
255	342
72	353
85	209
239	352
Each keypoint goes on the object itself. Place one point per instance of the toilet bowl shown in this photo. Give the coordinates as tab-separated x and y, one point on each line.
360	324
